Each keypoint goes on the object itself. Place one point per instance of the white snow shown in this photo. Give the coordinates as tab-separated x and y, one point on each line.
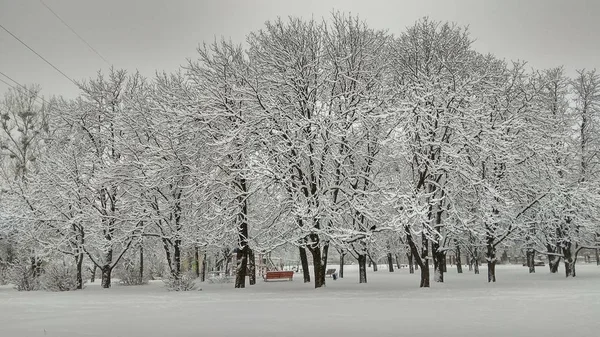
391	304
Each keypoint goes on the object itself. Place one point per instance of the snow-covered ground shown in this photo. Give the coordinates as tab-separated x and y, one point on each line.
391	304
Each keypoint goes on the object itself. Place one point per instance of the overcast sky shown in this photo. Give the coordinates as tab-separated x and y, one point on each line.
154	35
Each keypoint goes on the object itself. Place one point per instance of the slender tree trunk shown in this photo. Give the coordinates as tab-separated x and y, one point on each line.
568	258
425	261
597	250
458	259
342	255
106	275
252	266
390	262
397	257
362	268
197	262
438	262
373	263
203	270
177	258
531	260
242	254
79	263
93	276
318	263
107	270
491	259
141	263
304	262
242	266
411	264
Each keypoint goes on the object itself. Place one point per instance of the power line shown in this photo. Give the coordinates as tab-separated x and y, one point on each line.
3	81
37	96
74	32
40	56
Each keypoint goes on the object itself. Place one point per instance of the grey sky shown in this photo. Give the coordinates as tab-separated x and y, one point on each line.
154	35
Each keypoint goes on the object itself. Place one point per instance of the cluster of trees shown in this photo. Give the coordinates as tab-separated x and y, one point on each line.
317	134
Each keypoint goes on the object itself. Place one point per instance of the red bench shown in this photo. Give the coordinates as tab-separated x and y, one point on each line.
278	275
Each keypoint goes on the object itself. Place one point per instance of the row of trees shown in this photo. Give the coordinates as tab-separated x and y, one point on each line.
318	135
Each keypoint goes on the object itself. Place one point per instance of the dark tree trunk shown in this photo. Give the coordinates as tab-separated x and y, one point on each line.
197	262
362	268
141	264
241	268
425	261
106	275
203	270
390	262
252	267
93	276
458	260
531	260
438	262
242	254
319	260
341	273
553	258
491	259
445	263
597	250
373	263
177	258
107	270
422	261
411	264
79	263
304	262
569	262
397	257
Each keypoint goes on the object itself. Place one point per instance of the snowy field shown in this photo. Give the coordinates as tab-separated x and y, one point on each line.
391	304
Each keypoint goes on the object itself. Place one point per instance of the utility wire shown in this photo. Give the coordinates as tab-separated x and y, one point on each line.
40	56
74	32
3	81
37	96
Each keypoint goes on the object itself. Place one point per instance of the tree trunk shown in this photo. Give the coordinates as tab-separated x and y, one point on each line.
106	274
242	254
597	250
491	259
177	258
341	273
79	263
390	262
411	264
93	276
252	266
531	260
373	263
458	260
438	262
197	262
422	261
568	258
304	262
141	264
203	270
319	260
397	257
242	266
362	268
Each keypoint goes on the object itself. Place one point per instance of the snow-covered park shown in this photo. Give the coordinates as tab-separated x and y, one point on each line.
519	304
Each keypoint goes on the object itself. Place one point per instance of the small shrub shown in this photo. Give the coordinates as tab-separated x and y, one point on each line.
23	277
129	275
183	282
59	277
